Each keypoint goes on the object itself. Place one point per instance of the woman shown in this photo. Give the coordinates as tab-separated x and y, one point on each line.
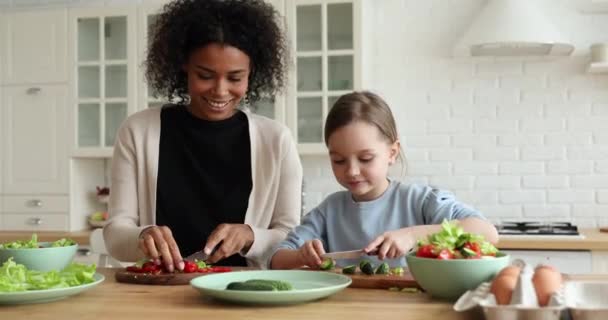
201	174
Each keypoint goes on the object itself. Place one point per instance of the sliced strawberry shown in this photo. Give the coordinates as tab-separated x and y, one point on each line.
221	269
426	251
190	267
135	269
445	254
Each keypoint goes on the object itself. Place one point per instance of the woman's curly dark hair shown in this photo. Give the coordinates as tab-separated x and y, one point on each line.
186	25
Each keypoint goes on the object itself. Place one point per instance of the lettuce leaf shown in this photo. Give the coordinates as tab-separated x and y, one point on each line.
16	277
453	238
33	243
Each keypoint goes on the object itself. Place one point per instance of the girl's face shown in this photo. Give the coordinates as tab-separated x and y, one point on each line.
218	76
360	158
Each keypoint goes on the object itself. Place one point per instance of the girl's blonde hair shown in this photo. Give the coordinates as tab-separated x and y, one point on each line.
362	106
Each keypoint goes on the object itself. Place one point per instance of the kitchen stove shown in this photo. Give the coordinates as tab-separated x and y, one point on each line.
564	230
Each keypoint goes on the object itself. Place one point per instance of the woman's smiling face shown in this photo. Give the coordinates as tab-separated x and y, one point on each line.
218	78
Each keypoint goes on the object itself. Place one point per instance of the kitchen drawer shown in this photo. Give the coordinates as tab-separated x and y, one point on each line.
34	221
35	204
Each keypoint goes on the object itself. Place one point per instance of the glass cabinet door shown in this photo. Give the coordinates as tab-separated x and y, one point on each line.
150	98
103	70
327	57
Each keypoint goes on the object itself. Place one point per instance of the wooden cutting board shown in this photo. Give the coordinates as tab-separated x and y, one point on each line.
360	280
381	281
171	279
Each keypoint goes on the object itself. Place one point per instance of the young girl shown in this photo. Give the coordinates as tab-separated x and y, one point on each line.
376	213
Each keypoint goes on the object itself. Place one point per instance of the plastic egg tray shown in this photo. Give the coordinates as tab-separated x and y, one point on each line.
524	304
576	300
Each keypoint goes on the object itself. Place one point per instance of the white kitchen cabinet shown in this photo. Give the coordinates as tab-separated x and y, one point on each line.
146	17
570	262
34	45
103	59
34	131
325	35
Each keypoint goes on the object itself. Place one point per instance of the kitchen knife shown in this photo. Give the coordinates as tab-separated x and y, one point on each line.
352	254
201	255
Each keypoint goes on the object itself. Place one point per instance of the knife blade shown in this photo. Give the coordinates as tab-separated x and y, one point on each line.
352	254
199	255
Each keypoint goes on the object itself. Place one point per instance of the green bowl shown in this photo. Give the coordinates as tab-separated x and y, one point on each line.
449	279
45	258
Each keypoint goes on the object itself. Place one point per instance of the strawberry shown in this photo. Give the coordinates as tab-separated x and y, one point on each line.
190	267
426	251
445	254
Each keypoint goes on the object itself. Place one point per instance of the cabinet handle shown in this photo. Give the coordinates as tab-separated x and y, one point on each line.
36	221
35	203
33	90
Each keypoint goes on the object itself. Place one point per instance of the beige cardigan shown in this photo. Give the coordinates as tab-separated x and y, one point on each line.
274	203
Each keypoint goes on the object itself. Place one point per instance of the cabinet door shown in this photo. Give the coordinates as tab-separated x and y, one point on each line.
325	37
104	48
148	98
35	47
34	139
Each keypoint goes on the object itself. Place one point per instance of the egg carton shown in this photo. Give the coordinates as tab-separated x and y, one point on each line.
587	300
524	304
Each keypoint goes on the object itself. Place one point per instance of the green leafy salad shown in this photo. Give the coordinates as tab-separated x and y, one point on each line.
453	243
33	243
16	277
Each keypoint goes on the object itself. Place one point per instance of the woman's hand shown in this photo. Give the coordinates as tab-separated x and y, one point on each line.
310	253
392	244
231	238
156	242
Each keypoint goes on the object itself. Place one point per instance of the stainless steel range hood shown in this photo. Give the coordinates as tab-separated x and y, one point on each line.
512	28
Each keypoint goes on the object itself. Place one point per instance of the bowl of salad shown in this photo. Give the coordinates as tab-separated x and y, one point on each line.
40	256
450	262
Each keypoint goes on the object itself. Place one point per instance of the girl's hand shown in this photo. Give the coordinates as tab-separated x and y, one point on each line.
156	242
229	239
392	244
310	253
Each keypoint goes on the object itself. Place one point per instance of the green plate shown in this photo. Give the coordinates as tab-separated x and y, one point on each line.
307	286
39	296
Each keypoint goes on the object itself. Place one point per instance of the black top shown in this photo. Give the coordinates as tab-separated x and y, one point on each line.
204	176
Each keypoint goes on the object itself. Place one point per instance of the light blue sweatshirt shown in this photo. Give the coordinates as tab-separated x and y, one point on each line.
344	224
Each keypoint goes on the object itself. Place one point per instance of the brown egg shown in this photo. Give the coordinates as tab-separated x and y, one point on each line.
546	281
502	287
510	270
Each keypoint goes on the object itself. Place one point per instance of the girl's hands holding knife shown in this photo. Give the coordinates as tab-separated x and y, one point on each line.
392	244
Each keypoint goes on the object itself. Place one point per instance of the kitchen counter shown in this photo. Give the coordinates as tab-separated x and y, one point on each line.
593	240
113	300
81	237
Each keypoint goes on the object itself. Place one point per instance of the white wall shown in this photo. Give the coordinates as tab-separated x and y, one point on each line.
518	138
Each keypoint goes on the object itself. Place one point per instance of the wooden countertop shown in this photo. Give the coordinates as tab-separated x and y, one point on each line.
81	237
112	300
593	240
